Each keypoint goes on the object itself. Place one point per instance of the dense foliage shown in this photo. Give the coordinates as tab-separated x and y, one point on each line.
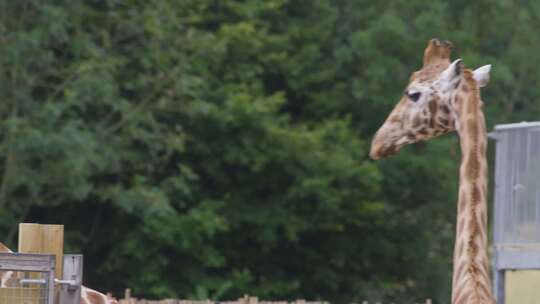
209	148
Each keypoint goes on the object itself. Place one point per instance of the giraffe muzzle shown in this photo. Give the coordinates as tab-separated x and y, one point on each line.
381	150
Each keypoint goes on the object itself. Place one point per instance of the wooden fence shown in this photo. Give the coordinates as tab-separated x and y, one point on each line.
128	299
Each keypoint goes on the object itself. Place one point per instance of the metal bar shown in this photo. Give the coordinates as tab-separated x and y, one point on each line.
33	281
517	260
26	262
70	290
499	283
50	296
65	282
493	135
499	191
523	124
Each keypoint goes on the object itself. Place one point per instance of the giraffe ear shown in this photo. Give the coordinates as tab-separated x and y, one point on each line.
453	72
481	75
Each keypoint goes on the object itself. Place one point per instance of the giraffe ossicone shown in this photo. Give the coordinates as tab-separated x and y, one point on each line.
442	97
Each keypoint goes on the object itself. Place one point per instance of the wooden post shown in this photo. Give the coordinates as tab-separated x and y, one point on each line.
52	241
29	238
36	238
127	297
29	242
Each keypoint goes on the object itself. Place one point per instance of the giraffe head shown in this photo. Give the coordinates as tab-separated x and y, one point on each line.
425	109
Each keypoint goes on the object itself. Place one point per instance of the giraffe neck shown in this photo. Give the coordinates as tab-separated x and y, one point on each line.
471	282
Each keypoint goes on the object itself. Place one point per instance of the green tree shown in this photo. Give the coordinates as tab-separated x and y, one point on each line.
206	148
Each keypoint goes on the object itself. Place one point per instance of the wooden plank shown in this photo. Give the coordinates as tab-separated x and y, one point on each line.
52	242
30	238
49	239
30	241
36	238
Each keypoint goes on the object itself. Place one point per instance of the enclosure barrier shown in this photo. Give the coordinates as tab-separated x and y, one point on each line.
40	273
128	299
516	221
34	276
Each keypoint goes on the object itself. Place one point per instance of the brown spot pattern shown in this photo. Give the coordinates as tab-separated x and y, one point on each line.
445	109
473	166
444	121
433	110
476	196
417	121
457	84
472	105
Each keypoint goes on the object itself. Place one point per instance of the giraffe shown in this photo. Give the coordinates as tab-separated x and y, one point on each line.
88	295
441	97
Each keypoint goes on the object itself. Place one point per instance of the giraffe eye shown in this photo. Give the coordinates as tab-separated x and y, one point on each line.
414	96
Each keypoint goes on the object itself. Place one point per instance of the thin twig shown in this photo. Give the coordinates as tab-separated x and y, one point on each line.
128	116
59	88
10	156
7	172
138	108
13	229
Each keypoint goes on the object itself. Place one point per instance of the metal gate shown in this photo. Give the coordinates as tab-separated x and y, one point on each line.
516	223
31	280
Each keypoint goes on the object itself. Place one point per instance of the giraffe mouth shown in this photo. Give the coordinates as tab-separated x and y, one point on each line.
379	151
388	142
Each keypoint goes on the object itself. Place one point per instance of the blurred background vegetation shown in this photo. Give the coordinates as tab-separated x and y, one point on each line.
211	148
